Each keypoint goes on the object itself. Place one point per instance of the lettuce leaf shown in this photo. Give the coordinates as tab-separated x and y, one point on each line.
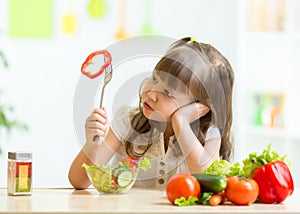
223	168
246	167
100	176
145	164
182	201
255	160
204	198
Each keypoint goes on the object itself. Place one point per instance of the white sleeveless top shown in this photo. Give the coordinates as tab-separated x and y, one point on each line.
164	164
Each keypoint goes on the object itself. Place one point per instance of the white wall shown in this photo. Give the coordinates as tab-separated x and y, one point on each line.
43	73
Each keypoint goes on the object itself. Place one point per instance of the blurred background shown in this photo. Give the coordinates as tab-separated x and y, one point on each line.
43	44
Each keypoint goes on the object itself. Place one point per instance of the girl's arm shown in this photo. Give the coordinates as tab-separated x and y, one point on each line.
93	152
90	154
197	157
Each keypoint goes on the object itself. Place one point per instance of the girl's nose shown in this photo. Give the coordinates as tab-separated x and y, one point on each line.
152	94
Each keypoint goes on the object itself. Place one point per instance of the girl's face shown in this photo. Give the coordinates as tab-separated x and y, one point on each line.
160	101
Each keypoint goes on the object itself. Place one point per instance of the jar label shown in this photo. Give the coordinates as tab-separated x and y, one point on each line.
23	177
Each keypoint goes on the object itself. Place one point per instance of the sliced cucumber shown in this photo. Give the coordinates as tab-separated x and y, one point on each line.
125	177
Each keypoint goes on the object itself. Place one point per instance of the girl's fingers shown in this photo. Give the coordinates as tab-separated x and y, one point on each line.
98	115
202	109
97	118
95	125
93	132
100	111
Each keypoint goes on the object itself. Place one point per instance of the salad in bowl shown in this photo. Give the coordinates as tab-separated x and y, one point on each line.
120	179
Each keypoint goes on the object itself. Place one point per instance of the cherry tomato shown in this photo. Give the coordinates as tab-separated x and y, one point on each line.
130	162
182	185
241	191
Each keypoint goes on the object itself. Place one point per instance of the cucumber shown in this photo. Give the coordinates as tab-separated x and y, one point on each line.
124	176
211	183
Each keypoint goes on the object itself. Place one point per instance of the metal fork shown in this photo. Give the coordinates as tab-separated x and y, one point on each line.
107	78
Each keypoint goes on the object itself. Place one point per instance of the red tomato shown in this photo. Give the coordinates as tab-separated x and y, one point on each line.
130	162
182	185
241	191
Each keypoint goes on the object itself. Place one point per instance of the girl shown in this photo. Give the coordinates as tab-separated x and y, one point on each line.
182	123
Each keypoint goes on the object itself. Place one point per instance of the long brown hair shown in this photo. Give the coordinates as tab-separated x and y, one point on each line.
197	66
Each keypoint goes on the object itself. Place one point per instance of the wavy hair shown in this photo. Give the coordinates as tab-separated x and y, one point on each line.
198	66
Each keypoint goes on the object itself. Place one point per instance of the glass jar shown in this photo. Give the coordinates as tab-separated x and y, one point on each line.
19	172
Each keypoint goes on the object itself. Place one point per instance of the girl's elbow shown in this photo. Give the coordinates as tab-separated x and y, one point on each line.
78	184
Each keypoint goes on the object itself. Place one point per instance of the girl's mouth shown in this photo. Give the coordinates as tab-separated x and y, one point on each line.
147	106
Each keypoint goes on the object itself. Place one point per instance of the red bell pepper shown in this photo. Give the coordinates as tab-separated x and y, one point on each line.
275	182
89	60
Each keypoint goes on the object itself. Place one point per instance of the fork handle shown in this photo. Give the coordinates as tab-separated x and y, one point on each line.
101	97
96	137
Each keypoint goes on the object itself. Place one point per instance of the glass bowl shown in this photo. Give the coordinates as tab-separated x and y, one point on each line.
120	179
111	180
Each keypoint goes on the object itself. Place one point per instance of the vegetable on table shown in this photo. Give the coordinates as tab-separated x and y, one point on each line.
182	185
211	190
211	183
272	174
241	191
182	201
269	169
216	199
223	168
264	176
275	182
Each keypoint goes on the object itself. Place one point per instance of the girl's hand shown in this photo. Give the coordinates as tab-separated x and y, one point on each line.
96	124
191	112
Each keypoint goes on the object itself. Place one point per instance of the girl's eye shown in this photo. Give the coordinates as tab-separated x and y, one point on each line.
154	79
166	92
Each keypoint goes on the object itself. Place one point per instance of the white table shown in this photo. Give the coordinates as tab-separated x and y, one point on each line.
135	201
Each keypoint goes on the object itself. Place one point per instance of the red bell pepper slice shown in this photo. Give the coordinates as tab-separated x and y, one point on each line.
113	178
89	61
275	182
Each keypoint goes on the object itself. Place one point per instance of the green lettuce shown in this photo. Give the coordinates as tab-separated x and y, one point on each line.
100	176
204	198
145	164
223	168
182	201
246	167
254	160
